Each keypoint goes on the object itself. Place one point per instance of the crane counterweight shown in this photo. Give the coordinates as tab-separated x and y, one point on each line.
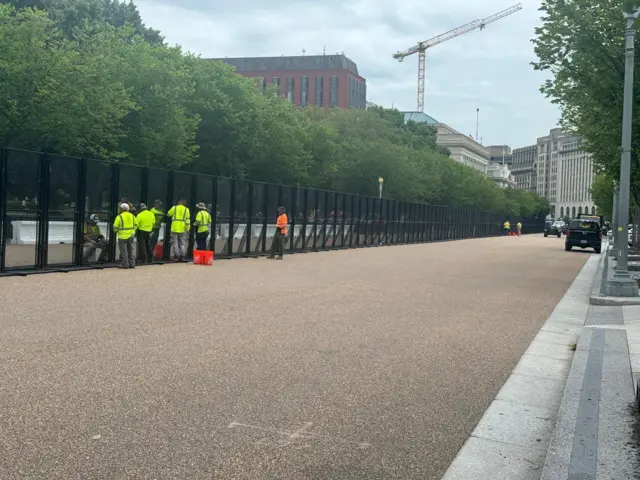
421	47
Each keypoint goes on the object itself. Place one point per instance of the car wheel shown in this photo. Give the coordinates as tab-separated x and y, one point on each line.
597	250
559	235
546	234
567	248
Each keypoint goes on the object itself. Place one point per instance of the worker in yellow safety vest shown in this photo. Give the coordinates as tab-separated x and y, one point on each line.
125	228
159	214
202	223
146	220
507	227
180	224
519	228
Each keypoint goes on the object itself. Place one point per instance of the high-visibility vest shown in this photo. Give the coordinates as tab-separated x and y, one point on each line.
91	230
159	214
180	218
282	223
125	225
203	220
146	220
507	225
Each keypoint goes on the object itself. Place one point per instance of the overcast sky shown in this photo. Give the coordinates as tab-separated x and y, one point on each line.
487	69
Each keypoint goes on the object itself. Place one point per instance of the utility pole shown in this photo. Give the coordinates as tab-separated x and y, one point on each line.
621	284
477	122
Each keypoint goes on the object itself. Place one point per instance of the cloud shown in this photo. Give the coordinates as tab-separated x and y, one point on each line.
488	69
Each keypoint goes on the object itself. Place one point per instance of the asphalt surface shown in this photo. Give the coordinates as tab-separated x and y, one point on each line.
362	364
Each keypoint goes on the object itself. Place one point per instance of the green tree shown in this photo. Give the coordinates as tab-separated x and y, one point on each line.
602	194
51	98
69	14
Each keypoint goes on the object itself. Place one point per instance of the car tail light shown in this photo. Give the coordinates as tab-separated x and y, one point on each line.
600	235
568	233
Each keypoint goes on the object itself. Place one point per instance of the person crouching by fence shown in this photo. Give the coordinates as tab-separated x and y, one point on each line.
180	224
203	220
125	227
277	246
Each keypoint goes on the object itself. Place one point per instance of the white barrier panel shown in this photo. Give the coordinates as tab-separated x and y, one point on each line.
25	231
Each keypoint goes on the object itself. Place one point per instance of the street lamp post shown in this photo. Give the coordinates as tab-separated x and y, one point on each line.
621	284
613	252
380	182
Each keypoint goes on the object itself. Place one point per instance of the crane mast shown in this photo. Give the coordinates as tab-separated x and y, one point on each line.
421	48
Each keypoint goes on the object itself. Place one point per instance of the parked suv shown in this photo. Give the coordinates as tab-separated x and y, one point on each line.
556	228
584	234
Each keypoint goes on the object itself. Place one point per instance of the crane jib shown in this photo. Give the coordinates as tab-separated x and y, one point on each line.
421	47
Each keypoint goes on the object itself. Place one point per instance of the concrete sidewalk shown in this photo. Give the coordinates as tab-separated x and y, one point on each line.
564	415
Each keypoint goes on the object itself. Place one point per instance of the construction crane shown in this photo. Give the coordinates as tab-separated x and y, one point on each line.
421	48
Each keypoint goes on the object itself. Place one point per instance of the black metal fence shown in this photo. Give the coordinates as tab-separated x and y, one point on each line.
45	200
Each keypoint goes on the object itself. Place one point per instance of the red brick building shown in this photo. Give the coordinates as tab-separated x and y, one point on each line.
322	80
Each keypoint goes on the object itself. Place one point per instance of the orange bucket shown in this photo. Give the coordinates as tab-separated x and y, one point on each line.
158	250
202	257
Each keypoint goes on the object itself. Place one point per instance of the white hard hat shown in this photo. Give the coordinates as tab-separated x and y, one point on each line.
94	218
124	206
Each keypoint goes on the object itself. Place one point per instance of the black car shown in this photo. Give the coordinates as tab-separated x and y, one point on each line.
584	234
556	228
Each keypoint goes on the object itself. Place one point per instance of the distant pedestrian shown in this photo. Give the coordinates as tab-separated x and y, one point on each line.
507	227
145	219
202	223
125	227
519	228
277	246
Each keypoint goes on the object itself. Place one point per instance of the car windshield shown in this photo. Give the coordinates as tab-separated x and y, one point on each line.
558	224
584	225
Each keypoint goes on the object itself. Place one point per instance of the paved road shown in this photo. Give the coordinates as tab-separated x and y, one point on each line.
366	364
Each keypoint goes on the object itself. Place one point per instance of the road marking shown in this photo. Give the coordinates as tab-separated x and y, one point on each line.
291	437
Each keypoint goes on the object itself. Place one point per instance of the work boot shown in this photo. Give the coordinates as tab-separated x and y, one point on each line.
271	257
279	258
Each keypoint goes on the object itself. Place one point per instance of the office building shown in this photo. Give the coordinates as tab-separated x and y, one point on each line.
564	174
523	167
464	149
321	80
500	174
500	154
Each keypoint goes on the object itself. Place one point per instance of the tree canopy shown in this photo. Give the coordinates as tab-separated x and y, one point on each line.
87	78
581	43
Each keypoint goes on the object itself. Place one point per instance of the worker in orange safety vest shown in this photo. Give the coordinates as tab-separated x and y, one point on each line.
277	246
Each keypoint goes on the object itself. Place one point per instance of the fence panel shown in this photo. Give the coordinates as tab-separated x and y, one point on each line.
22	208
63	217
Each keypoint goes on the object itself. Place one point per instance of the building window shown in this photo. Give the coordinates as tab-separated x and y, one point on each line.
319	90
333	101
275	81
304	92
290	84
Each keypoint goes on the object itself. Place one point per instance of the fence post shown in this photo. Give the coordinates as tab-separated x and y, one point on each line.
79	211
214	215
5	228
194	211
42	245
295	191
232	217
249	227
144	185
265	219
166	242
